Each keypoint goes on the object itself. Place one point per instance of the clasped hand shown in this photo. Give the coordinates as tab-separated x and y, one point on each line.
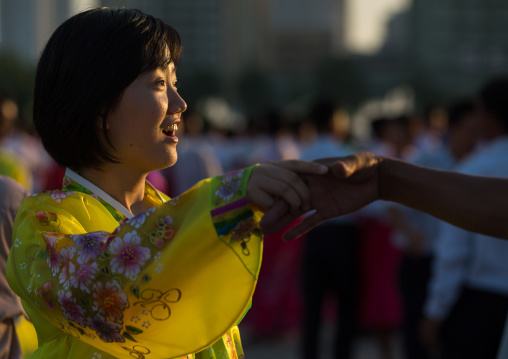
319	190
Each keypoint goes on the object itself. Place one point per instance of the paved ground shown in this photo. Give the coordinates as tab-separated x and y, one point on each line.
366	347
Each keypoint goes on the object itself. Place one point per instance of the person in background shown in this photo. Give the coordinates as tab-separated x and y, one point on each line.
11	164
11	193
456	198
276	311
467	298
330	252
415	232
380	304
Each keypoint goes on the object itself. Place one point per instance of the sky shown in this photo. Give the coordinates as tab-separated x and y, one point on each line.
366	19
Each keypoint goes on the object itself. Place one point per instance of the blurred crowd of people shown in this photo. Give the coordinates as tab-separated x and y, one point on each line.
383	270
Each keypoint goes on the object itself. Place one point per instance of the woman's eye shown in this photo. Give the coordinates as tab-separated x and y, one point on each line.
161	83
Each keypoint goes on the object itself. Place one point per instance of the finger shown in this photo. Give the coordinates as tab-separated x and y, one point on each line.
274	214
286	191
261	199
300	166
294	183
304	226
277	218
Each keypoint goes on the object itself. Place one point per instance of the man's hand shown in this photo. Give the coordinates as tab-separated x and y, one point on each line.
351	184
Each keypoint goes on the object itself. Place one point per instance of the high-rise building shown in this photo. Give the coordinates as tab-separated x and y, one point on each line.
444	49
26	25
231	35
304	32
458	44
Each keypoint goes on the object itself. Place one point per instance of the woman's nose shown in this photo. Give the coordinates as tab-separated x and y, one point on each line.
176	102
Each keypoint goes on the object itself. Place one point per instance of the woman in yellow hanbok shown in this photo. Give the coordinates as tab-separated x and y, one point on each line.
109	267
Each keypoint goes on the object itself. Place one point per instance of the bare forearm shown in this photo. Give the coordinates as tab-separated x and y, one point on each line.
478	204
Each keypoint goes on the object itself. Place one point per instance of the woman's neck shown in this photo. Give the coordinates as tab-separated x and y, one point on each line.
126	186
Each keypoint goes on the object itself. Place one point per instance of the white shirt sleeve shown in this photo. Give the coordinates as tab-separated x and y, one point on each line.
451	262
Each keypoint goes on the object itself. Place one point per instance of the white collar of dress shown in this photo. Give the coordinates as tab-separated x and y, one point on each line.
105	197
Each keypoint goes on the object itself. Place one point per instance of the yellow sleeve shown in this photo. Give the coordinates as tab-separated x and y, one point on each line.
168	282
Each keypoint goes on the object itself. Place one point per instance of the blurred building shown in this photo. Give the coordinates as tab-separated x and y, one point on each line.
443	49
25	25
232	35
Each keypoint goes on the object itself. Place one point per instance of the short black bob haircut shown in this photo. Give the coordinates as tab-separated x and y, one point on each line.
82	72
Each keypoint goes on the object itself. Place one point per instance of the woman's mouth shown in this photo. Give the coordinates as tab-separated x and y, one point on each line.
170	131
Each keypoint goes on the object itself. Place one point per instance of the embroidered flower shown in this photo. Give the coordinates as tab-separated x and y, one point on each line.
70	309
90	246
109	299
228	189
163	231
164	222
84	276
230	176
59	195
66	181
68	267
42	217
138	220
53	258
158	269
44	294
106	330
129	256
45	218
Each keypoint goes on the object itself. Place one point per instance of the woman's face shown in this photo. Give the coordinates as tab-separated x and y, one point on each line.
142	126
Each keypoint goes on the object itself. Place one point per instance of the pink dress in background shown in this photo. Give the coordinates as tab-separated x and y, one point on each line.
380	306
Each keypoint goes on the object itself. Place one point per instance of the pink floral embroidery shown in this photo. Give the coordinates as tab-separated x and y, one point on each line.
70	309
106	330
44	294
90	246
66	181
109	299
68	267
84	276
129	256
53	258
45	218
